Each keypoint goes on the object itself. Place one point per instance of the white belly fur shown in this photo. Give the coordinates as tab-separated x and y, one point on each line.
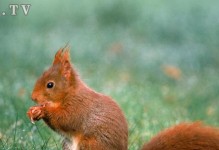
74	145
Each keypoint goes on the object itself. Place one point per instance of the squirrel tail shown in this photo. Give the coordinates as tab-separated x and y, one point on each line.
187	136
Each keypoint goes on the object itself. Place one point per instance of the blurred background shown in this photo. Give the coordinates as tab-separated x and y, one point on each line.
157	59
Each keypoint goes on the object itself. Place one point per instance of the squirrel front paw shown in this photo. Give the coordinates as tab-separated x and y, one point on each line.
35	113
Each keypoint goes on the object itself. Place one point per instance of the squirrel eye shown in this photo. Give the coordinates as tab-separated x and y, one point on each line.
50	85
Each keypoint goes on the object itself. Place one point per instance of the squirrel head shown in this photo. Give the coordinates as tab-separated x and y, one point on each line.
54	83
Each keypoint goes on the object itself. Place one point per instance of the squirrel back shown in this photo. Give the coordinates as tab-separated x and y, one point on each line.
185	136
86	119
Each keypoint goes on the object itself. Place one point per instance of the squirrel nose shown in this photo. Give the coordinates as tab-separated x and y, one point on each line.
34	97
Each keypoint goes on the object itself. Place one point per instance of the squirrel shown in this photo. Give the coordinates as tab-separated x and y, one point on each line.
185	136
86	119
92	121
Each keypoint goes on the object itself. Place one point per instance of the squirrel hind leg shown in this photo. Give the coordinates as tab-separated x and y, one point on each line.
92	144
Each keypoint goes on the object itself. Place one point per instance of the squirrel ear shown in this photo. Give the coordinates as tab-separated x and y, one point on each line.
62	58
58	56
66	68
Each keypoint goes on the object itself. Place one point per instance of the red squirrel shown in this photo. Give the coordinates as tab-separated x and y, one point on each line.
86	119
91	121
185	136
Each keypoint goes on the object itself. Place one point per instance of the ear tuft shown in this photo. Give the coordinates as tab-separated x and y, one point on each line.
58	56
66	54
62	55
62	58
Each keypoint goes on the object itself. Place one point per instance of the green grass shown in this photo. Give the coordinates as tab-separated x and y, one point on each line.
119	48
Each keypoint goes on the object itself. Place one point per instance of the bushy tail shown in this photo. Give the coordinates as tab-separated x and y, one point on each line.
185	136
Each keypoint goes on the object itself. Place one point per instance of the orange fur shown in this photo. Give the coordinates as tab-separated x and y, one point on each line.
86	119
185	136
